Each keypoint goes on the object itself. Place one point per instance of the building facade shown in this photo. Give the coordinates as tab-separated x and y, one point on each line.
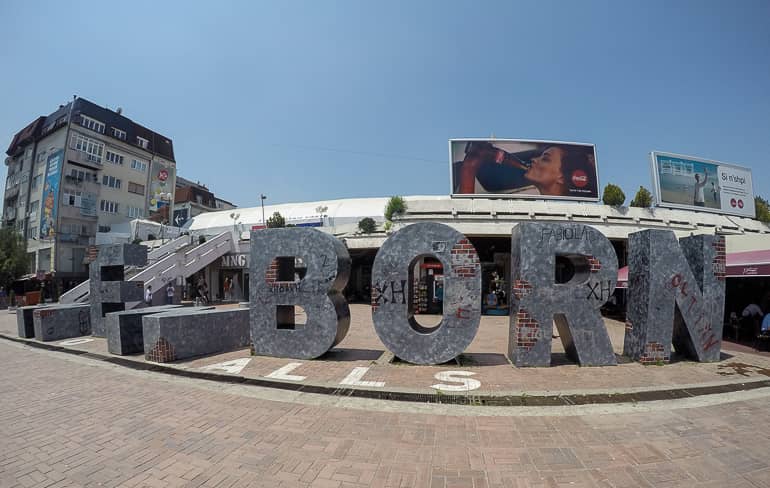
192	199
487	223
79	171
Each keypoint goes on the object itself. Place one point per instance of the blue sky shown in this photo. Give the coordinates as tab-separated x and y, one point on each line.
319	100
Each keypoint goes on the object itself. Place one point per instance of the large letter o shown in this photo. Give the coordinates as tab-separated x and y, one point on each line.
391	311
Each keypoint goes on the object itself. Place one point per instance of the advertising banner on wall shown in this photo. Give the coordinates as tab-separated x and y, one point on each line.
50	195
181	216
701	184
162	183
523	169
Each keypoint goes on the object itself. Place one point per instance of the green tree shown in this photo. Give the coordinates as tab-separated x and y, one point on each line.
367	225
613	195
763	209
643	198
14	260
396	206
276	221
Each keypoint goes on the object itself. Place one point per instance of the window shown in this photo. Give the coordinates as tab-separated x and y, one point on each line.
41	157
79	175
135	188
139	165
36	181
118	133
92	124
111	181
108	206
73	198
104	228
32	232
135	212
77	229
114	158
93	149
142	142
33	206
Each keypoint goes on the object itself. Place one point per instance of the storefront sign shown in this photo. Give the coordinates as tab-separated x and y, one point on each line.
754	270
234	261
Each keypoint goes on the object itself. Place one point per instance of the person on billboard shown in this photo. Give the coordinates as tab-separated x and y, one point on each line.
699	198
553	170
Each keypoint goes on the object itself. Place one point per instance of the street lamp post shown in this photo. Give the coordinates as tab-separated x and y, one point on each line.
262	198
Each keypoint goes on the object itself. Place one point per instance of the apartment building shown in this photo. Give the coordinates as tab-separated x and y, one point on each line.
190	199
80	170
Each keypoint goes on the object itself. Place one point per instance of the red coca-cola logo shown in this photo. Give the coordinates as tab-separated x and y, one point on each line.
579	178
733	203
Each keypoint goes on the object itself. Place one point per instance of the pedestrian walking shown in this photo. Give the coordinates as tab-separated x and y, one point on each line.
170	293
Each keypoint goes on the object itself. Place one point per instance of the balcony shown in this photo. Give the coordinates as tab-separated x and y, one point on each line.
85	159
12	191
9	213
82	184
77	213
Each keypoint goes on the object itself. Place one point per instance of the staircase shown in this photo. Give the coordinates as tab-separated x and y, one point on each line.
173	259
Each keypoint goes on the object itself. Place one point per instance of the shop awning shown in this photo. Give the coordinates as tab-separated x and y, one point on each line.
748	263
738	264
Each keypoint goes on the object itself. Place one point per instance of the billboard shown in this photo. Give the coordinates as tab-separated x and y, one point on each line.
523	169
701	184
50	197
162	184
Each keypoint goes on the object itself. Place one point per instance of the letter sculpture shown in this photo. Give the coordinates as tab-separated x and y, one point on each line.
538	301
108	289
392	310
665	275
275	289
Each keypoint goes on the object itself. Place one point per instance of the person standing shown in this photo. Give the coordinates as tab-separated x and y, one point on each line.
226	288
170	293
699	198
148	296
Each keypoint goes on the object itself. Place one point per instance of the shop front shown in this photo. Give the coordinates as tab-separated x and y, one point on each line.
233	278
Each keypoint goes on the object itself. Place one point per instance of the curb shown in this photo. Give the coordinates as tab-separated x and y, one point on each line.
468	398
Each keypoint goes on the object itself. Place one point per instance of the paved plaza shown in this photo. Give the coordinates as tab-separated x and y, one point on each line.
71	420
362	355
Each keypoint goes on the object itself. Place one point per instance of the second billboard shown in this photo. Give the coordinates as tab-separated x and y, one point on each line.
702	184
523	169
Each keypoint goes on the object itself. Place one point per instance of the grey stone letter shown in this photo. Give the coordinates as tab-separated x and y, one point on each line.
680	283
537	300
392	309
276	288
109	290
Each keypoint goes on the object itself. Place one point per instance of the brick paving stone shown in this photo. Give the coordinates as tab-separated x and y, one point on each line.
484	357
74	422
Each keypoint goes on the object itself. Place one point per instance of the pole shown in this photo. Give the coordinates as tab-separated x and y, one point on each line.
262	201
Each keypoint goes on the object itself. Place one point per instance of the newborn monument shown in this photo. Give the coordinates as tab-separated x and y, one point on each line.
676	297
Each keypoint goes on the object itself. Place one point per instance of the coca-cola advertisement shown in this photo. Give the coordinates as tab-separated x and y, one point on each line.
524	169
